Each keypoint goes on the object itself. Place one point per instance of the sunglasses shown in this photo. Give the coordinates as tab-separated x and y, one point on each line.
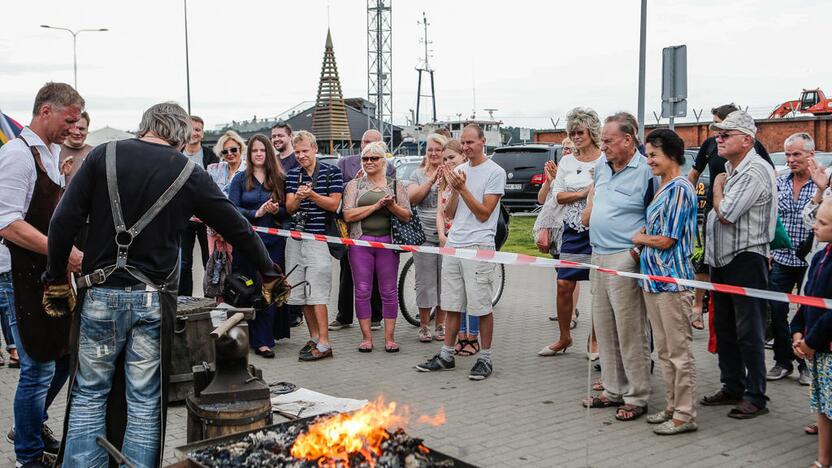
726	135
370	158
230	150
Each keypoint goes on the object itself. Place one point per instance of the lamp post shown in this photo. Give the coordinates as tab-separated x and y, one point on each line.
74	46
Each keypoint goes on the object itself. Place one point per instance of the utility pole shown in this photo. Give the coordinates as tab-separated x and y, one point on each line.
380	66
425	67
74	47
642	57
187	59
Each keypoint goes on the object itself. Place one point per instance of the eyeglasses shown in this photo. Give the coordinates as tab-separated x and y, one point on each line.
726	135
370	158
230	150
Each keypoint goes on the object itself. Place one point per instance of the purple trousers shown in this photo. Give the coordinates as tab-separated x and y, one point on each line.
367	262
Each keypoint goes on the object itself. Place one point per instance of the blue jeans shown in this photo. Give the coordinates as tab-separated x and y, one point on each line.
469	324
784	278
7	308
37	387
113	320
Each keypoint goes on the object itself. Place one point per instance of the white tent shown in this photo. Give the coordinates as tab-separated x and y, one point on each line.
103	135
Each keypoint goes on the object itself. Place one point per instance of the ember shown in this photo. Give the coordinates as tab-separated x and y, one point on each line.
364	438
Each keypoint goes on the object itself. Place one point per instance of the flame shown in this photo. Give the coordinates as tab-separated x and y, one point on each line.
334	439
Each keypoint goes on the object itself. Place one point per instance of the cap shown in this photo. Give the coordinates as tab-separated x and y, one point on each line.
739	121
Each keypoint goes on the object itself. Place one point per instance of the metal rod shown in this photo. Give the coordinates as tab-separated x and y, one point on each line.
227	325
433	95
75	60
642	52
418	95
187	60
114	452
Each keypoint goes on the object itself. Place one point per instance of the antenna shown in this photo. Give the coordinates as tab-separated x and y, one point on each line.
425	67
474	92
491	113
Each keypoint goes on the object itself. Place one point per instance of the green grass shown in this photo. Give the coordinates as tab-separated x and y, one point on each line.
520	238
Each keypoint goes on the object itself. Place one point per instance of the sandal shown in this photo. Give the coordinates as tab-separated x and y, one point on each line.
460	343
598	386
365	347
471	348
811	429
600	402
696	320
439	333
424	335
634	411
391	347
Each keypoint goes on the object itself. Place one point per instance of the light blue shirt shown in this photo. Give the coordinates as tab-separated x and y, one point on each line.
620	203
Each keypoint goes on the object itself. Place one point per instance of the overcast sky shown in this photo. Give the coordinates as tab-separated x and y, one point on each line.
531	59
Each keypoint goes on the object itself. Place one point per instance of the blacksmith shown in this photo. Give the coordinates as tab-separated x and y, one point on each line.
29	191
139	195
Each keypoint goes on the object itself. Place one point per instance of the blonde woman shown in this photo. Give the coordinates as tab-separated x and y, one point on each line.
229	148
423	194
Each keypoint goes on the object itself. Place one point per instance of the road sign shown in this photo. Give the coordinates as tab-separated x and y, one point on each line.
525	134
674	81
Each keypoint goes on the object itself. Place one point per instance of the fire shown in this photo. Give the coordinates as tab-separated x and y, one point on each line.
335	438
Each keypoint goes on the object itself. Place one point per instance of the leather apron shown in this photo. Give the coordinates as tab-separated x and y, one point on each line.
168	293
43	337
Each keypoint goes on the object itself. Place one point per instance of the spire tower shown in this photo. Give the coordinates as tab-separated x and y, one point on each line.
329	119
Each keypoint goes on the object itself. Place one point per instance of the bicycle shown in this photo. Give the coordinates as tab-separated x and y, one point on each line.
407	277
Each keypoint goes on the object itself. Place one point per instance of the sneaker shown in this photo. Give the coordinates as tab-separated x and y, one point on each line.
668	428
336	325
436	363
481	370
51	445
805	377
770	344
424	335
778	372
375	325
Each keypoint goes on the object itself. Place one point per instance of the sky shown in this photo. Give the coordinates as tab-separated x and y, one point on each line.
532	60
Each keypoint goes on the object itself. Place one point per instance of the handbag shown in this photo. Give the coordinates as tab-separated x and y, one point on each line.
406	233
781	237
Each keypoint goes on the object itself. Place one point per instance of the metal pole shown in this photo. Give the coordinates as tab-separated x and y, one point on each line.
74	60
418	95
187	59
672	125
433	95
641	68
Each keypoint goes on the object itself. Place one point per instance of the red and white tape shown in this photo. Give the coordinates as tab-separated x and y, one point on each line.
510	258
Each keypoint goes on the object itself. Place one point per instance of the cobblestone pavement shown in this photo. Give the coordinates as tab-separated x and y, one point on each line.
528	413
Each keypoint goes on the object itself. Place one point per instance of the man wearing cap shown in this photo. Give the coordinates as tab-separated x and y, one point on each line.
739	230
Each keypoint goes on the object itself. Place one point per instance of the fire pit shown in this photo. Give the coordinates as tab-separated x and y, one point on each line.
364	438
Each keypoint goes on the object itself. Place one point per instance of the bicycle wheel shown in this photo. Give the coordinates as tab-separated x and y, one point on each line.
407	293
500	282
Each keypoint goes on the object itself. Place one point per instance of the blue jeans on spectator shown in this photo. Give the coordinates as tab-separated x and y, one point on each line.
112	320
7	308
469	324
784	278
37	386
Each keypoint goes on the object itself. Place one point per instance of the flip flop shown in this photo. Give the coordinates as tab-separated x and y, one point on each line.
365	347
391	347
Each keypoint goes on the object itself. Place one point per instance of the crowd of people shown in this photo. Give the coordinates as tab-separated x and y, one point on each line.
132	213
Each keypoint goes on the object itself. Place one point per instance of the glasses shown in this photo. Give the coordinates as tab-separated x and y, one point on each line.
576	133
726	135
230	150
370	158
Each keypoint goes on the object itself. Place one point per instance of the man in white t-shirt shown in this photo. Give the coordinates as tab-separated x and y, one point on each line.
467	285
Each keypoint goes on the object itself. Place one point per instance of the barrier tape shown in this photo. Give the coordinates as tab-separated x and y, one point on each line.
509	258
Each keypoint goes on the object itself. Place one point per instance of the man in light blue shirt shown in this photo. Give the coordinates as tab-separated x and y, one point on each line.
623	189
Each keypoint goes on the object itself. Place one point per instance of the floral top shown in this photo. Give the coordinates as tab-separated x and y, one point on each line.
357	187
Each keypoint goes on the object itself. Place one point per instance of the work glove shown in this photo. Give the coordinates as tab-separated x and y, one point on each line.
58	298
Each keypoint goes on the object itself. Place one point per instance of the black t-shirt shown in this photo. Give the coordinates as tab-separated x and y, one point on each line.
716	164
144	170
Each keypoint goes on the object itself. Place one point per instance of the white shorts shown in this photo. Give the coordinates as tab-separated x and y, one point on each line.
468	284
314	265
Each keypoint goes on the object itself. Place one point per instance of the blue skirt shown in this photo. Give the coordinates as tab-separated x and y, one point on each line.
574	247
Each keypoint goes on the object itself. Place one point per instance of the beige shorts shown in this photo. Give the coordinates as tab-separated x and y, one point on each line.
314	265
468	285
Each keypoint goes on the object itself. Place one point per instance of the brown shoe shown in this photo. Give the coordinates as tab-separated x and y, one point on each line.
315	355
308	347
746	410
720	398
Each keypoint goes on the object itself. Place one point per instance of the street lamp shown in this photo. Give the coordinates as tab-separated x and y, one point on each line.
74	48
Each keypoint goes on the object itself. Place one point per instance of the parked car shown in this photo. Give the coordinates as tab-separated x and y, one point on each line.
524	172
405	167
780	166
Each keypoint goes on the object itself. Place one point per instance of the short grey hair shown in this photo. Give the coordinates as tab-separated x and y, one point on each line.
168	121
808	141
581	117
58	95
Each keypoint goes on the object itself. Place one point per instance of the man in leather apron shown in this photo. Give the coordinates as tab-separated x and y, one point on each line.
29	192
138	195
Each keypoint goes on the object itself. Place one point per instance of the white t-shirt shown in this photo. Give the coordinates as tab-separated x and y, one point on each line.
573	176
487	178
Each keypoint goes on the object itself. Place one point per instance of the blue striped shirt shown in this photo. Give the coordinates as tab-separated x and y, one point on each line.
671	214
329	182
791	213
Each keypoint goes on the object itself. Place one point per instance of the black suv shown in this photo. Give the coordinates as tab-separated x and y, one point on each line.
524	172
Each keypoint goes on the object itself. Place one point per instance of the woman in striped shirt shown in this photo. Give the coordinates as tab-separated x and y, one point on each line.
667	241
